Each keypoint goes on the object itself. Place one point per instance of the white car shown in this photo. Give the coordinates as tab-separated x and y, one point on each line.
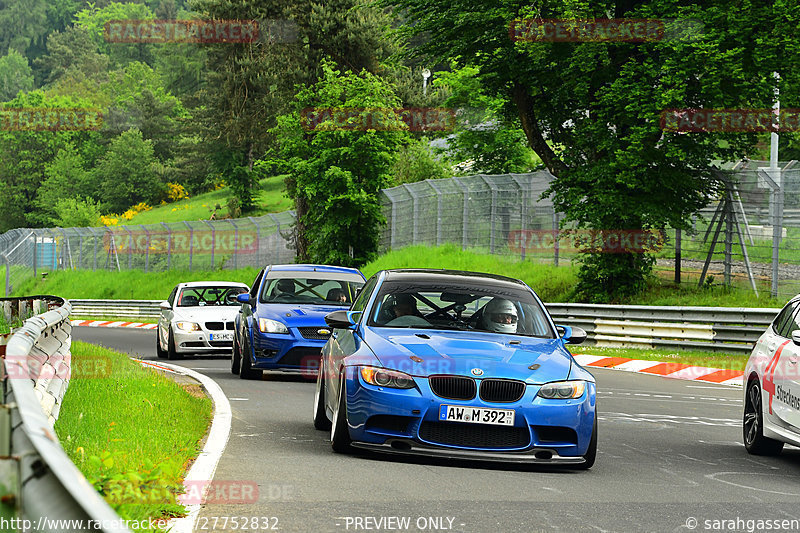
772	386
198	318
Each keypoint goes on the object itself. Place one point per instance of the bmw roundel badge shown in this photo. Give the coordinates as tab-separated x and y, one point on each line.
477	372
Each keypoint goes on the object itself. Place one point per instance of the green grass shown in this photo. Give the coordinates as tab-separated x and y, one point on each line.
553	284
725	361
131	429
269	198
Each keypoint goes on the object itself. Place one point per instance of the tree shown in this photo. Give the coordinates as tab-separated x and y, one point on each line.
337	174
76	212
72	52
591	110
250	84
93	20
15	75
22	23
25	154
65	177
125	173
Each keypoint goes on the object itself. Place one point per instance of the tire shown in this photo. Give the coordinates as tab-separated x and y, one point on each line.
171	353
753	424
321	421
340	434
236	358
161	354
591	452
247	371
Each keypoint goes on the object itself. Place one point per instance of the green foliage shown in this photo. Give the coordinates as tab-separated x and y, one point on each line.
123	184
73	53
65	176
485	142
23	23
15	75
76	212
93	20
591	110
415	162
24	156
336	175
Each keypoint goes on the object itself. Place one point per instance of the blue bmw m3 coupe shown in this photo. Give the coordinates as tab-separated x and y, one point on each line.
455	364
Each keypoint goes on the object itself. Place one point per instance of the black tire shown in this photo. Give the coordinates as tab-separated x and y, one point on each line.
161	354
753	424
340	434
171	353
247	371
236	358
591	452
321	421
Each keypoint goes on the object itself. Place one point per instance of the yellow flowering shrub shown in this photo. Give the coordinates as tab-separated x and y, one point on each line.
176	191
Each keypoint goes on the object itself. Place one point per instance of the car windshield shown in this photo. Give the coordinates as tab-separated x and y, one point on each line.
311	290
496	309
208	296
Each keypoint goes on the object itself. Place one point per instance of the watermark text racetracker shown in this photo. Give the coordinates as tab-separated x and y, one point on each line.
181	242
50	119
200	31
586	241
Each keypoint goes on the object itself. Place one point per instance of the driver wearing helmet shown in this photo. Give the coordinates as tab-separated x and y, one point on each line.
500	315
285	286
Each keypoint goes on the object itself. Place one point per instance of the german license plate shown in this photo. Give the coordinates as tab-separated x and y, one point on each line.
220	336
476	415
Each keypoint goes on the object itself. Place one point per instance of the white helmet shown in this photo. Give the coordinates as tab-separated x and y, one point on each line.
500	315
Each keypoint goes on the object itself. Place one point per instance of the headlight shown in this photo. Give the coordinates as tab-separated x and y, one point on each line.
562	390
187	326
271	326
381	377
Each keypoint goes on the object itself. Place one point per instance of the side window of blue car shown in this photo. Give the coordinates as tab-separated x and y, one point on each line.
363	295
255	286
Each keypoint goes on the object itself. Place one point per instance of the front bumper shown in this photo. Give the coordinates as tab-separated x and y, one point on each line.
289	352
201	341
407	421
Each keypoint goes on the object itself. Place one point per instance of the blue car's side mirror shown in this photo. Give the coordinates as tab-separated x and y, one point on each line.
243	298
343	319
571	334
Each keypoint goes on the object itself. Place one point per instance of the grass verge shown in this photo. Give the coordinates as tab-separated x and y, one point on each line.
131	431
554	284
724	361
269	197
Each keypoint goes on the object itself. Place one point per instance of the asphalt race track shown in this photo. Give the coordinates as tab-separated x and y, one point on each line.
670	458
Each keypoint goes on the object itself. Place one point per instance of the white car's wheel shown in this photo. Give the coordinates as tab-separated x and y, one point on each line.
753	424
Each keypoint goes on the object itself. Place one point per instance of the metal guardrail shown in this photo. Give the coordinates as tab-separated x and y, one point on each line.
143	309
46	487
722	329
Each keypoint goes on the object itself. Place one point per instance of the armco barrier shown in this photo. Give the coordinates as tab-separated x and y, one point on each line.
723	329
46	487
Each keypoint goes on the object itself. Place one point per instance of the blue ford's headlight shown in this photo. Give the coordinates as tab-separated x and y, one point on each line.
562	390
265	325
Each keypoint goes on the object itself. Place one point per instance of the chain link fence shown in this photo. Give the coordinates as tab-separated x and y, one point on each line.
733	240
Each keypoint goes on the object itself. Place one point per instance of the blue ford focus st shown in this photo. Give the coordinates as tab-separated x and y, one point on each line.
455	364
281	322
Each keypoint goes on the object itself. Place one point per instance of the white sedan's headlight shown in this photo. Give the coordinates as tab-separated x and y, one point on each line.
187	326
562	390
271	326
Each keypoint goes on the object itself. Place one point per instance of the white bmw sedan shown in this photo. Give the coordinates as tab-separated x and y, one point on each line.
772	386
198	318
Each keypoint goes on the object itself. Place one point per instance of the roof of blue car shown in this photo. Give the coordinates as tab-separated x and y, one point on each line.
314	268
409	274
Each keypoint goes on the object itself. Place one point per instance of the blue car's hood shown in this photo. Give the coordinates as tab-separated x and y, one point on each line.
295	315
459	352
